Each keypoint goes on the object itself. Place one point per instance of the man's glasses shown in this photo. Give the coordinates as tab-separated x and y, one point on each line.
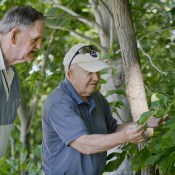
83	50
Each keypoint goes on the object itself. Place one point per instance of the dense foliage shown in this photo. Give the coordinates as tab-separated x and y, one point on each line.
154	23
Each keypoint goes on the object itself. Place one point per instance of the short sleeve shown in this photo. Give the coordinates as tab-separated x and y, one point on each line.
67	122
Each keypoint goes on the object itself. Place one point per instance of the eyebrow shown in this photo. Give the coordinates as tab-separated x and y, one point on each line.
37	37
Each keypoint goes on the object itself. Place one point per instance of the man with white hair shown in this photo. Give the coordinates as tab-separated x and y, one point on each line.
78	127
21	31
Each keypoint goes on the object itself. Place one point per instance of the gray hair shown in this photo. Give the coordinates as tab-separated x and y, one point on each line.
22	16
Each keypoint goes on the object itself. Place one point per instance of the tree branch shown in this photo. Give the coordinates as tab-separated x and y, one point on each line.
35	101
86	21
111	25
150	59
157	31
82	19
98	17
79	34
97	13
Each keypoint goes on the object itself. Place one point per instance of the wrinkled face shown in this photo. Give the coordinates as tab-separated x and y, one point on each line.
84	82
28	41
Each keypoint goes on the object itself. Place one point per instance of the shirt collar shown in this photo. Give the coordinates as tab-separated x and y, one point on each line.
72	91
76	97
2	63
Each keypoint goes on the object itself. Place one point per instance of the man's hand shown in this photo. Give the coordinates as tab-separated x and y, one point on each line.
133	133
154	121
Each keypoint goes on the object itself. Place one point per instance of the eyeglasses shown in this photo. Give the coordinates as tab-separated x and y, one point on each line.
91	49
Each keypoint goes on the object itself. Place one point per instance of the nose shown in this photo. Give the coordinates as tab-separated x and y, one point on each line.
96	76
38	45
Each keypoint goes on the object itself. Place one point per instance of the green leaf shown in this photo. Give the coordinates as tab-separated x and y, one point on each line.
115	91
102	81
113	155
153	159
118	104
114	164
138	160
159	113
167	162
144	117
37	151
163	100
155	105
154	97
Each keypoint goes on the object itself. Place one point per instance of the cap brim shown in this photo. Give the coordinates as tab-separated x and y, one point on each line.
94	66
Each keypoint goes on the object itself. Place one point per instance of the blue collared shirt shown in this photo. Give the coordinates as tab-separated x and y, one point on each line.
66	117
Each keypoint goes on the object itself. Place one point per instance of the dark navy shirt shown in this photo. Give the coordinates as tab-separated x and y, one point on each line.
66	117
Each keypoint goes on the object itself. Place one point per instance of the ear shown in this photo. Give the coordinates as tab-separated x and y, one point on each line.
14	35
70	74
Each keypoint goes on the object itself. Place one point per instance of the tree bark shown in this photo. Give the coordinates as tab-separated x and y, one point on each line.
104	18
133	76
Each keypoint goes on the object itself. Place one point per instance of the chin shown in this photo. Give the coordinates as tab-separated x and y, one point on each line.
31	59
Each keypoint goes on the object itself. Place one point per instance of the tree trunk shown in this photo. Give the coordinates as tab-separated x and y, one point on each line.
104	18
133	77
123	114
25	118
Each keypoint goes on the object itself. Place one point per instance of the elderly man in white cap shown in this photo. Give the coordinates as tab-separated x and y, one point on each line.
78	127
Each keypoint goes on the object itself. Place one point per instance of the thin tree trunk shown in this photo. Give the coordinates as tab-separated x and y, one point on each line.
133	76
130	57
104	17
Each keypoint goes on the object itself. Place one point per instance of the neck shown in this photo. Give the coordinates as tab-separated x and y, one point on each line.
6	50
85	99
7	62
82	95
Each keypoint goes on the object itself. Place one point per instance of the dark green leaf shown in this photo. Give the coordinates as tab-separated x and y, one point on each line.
115	91
159	113
114	164
144	117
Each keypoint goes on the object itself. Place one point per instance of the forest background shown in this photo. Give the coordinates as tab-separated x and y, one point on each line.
92	22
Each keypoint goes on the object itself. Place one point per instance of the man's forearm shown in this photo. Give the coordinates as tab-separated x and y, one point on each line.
95	143
121	126
90	144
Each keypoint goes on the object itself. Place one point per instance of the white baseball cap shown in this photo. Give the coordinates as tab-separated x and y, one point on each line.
88	61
